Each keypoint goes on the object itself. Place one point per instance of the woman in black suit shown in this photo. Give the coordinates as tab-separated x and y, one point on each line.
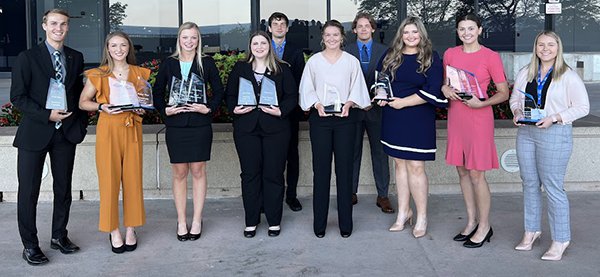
189	131
262	133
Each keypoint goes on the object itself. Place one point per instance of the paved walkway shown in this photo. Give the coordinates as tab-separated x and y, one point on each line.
370	251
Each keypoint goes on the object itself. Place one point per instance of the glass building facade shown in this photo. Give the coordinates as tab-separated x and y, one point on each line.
509	25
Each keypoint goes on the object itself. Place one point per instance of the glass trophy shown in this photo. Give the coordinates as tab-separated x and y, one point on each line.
196	90
57	96
331	100
531	112
268	93
123	95
144	93
246	95
177	92
382	87
465	82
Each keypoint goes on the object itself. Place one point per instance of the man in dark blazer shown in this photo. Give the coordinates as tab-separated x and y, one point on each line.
369	52
278	27
44	131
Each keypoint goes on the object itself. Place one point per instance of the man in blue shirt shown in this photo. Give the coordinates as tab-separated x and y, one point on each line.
369	53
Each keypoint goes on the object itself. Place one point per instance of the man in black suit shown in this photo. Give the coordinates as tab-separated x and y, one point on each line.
49	66
369	52
278	27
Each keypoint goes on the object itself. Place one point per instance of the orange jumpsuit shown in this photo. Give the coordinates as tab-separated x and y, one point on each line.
119	157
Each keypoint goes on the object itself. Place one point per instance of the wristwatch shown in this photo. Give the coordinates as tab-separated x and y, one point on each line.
100	107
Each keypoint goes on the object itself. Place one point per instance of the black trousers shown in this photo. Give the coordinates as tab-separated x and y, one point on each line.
262	160
30	165
370	121
332	136
293	158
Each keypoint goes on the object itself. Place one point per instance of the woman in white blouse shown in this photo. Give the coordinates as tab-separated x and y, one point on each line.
550	95
332	86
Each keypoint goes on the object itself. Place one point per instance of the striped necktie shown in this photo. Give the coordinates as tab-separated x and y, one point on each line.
58	74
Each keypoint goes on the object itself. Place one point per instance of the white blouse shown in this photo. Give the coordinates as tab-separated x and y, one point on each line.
345	75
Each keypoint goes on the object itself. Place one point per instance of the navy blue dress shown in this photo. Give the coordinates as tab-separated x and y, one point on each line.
409	133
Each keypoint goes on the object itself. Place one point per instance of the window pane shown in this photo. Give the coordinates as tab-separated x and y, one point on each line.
439	19
578	25
225	24
13	34
306	19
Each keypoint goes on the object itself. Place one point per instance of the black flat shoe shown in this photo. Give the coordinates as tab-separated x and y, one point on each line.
274	232
470	244
345	234
183	237
131	247
461	237
294	204
34	256
116	250
320	234
64	245
249	234
195	236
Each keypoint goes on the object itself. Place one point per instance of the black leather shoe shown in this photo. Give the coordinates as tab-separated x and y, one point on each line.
294	204
249	234
345	234
195	236
131	247
275	231
116	250
470	244
64	245
183	237
461	237
320	234
34	256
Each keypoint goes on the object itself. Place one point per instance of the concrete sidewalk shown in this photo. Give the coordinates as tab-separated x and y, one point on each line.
370	251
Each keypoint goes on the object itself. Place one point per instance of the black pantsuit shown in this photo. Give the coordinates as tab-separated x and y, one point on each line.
37	136
332	137
261	141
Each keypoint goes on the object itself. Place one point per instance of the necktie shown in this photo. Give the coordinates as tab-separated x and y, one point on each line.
364	58
58	74
280	51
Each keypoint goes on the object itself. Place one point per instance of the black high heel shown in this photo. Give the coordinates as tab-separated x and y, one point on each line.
461	237
274	231
250	233
195	236
131	247
116	250
183	237
470	244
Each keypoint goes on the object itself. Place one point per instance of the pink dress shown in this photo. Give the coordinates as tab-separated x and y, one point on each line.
471	131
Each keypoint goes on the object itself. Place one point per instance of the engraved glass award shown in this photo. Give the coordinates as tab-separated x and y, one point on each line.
382	87
196	90
123	95
268	93
177	92
57	96
531	111
331	100
246	95
465	82
144	93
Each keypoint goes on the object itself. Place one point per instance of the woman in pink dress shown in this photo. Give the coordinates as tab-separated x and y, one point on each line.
471	146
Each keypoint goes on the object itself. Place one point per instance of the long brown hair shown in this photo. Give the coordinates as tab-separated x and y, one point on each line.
559	67
394	57
107	59
272	60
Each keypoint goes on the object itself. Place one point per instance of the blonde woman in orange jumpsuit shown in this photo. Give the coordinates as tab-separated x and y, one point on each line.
118	142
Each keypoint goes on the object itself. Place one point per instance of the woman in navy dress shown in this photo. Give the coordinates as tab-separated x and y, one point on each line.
408	121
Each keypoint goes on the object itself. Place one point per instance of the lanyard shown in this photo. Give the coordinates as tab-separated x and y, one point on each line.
541	83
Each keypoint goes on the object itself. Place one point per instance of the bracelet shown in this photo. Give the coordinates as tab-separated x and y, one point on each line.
100	107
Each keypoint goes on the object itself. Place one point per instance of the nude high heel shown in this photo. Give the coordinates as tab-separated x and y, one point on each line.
556	251
528	241
399	224
420	231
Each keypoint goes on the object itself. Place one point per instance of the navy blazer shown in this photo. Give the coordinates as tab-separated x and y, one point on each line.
287	96
28	92
170	68
378	50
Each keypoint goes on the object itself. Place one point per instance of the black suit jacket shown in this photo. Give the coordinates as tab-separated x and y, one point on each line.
28	92
287	95
295	57
170	68
377	51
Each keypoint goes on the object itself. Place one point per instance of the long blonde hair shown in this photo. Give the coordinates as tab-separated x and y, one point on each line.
272	60
107	59
394	57
559	67
199	54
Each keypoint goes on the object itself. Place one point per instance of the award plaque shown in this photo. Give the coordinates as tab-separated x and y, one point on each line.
465	82
331	100
144	93
246	95
57	96
268	93
123	95
382	87
196	90
177	92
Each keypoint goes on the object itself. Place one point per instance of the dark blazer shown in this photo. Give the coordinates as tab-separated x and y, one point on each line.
28	92
170	68
287	95
377	51
295	57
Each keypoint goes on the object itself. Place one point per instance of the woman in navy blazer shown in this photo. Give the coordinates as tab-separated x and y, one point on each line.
262	133
189	131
